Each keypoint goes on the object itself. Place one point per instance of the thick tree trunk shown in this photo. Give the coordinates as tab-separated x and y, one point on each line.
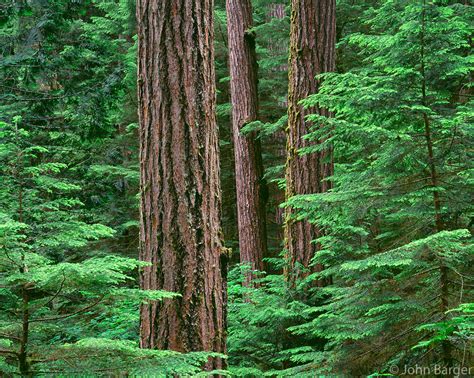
180	231
250	187
312	52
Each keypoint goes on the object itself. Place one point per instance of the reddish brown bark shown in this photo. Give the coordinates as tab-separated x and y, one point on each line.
312	52
276	10
250	186
180	231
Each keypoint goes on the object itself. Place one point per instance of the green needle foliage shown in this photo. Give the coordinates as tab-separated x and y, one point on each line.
54	305
396	247
69	297
396	242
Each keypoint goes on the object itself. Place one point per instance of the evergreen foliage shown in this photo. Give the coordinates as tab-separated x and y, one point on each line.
53	302
401	288
69	299
396	241
401	134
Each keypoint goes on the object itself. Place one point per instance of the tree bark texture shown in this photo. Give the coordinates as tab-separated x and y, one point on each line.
180	230
250	186
312	52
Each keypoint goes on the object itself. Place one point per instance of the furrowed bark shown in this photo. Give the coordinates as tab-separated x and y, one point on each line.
312	52
250	185
180	230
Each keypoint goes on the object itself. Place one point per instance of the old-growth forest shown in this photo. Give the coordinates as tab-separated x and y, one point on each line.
239	188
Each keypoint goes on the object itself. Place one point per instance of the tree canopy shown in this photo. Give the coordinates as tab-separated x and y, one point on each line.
279	188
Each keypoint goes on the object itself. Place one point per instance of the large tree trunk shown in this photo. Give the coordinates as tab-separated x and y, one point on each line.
180	231
250	187
312	52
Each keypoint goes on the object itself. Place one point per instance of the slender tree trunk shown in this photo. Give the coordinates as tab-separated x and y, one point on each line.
22	355
438	221
180	230
250	185
25	325
312	52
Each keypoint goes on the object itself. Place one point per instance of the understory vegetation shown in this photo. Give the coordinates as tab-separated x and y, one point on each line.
391	284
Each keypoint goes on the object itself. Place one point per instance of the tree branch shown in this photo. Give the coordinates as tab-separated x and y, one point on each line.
68	315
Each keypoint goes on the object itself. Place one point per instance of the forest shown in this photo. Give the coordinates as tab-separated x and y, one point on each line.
240	188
